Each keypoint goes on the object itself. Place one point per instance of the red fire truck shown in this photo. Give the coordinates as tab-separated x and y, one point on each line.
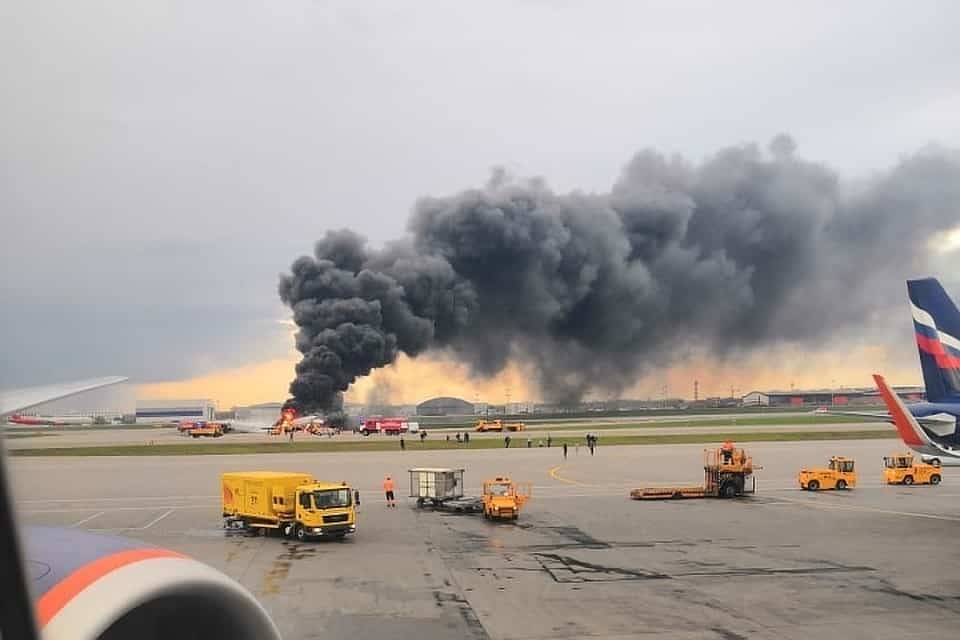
387	426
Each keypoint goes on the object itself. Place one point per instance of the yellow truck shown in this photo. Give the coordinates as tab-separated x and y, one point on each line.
839	474
503	498
295	504
902	469
499	425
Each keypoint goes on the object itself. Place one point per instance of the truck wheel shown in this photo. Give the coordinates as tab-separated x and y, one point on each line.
300	532
813	485
935	462
935	478
841	484
728	490
908	480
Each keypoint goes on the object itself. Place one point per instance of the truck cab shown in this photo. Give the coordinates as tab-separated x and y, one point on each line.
839	474
902	468
323	510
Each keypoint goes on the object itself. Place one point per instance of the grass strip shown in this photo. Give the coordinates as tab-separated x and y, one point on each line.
301	446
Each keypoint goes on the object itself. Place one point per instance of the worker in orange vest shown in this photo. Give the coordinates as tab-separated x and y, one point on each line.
388	487
727	450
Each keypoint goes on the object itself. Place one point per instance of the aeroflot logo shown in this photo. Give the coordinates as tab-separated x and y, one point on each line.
944	348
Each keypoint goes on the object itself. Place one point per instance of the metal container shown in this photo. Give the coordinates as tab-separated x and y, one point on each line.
435	484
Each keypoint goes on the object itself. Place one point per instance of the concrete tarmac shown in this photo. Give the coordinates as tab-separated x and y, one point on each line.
583	560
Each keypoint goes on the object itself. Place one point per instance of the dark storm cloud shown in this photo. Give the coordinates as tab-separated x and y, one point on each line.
745	249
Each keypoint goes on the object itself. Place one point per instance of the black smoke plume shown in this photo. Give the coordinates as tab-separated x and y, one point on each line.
745	249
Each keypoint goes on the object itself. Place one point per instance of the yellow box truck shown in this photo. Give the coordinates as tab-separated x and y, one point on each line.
296	504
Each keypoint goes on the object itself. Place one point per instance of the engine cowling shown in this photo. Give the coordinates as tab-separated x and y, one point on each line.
89	586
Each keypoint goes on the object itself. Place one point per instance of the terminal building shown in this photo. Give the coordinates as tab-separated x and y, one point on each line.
160	411
827	397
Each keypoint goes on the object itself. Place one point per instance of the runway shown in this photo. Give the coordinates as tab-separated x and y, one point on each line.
583	560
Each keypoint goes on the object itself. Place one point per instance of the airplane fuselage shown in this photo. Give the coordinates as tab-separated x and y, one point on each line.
49	420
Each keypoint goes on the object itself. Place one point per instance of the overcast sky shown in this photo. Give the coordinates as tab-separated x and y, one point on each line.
162	162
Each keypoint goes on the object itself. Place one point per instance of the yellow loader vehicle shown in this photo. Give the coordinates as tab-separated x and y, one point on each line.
727	473
498	425
839	474
901	468
503	498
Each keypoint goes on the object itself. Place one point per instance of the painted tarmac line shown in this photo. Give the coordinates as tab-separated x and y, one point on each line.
87	519
852	507
141	528
158	519
128	498
555	474
114	509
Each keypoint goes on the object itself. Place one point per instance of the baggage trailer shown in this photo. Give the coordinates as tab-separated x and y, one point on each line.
442	489
726	474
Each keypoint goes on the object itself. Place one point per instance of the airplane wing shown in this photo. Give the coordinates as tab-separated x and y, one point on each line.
907	425
933	422
873	416
87	585
19	399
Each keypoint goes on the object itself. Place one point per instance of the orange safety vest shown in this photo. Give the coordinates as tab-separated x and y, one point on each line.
388	484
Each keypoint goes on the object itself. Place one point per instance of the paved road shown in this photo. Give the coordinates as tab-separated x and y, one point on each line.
584	560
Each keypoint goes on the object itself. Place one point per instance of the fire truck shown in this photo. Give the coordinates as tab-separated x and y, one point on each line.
388	426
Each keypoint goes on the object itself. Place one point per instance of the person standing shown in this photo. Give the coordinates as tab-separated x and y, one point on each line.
403	444
466	437
506	442
564	450
291	435
727	451
388	488
529	442
549	441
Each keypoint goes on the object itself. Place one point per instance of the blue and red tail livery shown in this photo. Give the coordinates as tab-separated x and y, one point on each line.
936	324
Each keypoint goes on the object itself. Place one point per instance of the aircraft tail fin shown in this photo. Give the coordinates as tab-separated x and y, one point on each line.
936	324
910	430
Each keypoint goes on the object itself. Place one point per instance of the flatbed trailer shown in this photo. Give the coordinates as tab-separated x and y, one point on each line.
724	476
668	492
464	504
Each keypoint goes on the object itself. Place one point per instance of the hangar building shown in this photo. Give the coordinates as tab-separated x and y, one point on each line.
157	411
445	406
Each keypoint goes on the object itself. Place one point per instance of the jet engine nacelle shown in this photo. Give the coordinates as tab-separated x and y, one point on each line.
90	586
